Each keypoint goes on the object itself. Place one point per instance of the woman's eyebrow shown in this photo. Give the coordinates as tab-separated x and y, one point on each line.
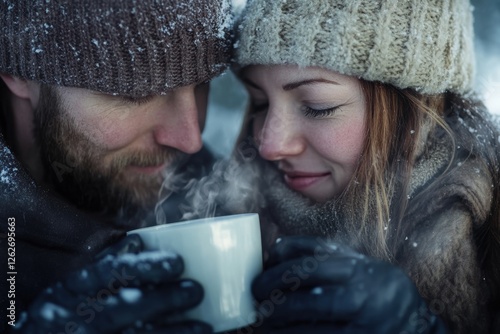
294	85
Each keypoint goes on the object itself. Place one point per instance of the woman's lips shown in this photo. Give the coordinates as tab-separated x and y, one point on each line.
302	180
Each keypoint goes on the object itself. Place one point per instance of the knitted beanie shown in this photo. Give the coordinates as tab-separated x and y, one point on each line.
125	47
422	44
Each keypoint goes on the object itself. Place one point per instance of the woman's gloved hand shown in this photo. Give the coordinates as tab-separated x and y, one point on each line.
314	286
127	290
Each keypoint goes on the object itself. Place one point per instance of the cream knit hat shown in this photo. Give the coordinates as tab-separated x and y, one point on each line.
423	44
127	47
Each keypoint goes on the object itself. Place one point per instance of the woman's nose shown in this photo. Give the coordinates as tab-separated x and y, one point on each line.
280	136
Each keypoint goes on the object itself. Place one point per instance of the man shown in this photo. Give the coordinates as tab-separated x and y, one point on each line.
99	99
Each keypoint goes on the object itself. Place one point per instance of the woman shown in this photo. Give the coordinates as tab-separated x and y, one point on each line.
366	126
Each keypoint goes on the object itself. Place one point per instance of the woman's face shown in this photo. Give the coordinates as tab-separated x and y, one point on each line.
311	122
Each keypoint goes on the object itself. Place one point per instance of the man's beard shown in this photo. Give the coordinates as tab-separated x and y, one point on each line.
75	166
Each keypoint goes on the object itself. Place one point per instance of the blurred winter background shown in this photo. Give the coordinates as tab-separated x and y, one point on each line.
487	43
228	98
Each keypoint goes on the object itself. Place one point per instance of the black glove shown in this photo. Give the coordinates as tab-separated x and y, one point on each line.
126	290
314	286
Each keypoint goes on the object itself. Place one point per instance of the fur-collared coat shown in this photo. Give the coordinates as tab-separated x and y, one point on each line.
448	240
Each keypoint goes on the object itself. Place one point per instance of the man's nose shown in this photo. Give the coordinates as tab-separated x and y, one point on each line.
280	136
179	123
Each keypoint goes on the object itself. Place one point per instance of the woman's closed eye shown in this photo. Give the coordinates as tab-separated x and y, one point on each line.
319	113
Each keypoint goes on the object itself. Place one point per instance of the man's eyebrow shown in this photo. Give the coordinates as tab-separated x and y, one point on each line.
294	85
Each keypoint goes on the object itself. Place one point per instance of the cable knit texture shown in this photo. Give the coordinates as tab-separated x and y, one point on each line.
423	44
127	47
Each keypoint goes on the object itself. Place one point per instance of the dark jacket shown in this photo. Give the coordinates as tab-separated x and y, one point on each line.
52	237
448	240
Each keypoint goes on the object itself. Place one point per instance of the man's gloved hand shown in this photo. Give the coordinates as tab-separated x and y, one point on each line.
127	290
314	286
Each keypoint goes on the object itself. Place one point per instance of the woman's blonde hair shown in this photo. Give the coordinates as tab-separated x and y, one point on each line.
395	120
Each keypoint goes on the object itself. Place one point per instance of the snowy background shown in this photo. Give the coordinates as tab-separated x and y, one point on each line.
228	98
487	43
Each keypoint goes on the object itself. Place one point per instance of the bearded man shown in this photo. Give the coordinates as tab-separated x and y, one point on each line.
100	101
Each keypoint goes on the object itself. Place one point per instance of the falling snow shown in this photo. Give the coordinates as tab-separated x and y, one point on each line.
8	171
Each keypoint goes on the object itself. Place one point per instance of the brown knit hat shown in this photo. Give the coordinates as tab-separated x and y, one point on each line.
423	44
125	47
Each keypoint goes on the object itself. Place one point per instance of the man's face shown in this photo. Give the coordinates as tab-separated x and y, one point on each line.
106	152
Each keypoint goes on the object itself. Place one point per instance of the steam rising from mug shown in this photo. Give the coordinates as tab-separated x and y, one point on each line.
230	187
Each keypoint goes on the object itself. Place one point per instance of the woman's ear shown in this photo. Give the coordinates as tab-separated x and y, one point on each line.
22	88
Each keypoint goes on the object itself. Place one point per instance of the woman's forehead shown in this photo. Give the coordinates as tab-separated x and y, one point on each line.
289	74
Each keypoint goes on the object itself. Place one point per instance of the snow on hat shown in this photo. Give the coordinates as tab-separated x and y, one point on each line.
126	47
423	44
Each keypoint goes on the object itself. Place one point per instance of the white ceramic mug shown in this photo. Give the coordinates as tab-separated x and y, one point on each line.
224	254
